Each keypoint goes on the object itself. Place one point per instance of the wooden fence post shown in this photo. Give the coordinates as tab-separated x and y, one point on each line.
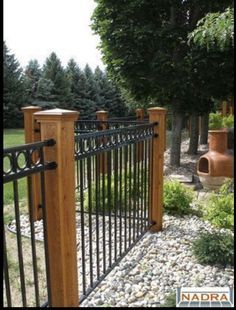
102	116
60	219
157	163
32	134
224	108
140	145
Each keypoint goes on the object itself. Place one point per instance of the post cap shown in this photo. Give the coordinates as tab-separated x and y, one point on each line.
31	108
157	110
101	112
57	114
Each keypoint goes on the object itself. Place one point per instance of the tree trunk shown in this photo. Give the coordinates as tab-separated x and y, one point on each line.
194	133
204	128
177	120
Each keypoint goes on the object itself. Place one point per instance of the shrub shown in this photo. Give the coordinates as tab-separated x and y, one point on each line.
177	198
170	301
214	248
107	193
228	121
215	121
219	209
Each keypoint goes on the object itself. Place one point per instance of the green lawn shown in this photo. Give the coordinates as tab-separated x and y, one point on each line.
13	137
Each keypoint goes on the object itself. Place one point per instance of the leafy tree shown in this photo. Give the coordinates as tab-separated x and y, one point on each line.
215	33
215	30
145	46
13	91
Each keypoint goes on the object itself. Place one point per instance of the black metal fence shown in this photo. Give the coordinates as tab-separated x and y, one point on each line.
26	275
113	195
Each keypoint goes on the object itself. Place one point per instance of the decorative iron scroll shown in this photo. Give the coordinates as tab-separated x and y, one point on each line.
23	160
88	144
85	126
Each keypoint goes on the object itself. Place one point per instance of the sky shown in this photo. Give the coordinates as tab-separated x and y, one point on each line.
32	29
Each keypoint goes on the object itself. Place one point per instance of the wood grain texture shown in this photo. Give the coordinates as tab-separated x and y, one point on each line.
60	206
157	164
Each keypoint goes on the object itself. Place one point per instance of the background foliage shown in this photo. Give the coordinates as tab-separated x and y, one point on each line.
53	86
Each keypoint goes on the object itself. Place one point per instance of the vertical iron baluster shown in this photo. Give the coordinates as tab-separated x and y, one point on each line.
109	202
121	202
33	247
98	208
148	216
134	190
130	190
138	187
125	192
18	231
44	216
104	200
90	232
82	222
6	273
115	197
142	188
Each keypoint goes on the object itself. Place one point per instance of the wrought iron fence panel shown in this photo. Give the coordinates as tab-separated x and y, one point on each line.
26	276
112	198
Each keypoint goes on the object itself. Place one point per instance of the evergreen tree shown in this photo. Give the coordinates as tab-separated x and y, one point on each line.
77	84
44	96
108	95
91	94
53	70
32	75
13	91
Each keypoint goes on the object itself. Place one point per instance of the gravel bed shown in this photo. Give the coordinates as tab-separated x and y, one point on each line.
158	264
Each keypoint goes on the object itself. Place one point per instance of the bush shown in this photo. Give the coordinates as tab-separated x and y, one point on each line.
214	248
215	121
109	192
170	301
228	121
219	209
177	198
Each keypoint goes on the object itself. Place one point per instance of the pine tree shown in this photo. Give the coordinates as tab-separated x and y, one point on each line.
32	75
13	91
77	83
53	70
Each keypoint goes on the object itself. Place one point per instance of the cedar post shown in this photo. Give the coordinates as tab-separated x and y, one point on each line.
60	219
224	108
102	116
32	134
157	115
200	124
140	145
190	125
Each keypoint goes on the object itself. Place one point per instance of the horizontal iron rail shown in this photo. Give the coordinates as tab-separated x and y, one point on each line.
29	146
130	135
110	132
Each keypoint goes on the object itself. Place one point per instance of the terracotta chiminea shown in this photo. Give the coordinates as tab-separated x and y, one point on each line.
217	164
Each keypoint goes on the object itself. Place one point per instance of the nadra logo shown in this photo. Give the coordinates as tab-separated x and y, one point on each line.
204	297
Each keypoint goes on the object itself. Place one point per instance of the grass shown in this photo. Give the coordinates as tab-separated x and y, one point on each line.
13	137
